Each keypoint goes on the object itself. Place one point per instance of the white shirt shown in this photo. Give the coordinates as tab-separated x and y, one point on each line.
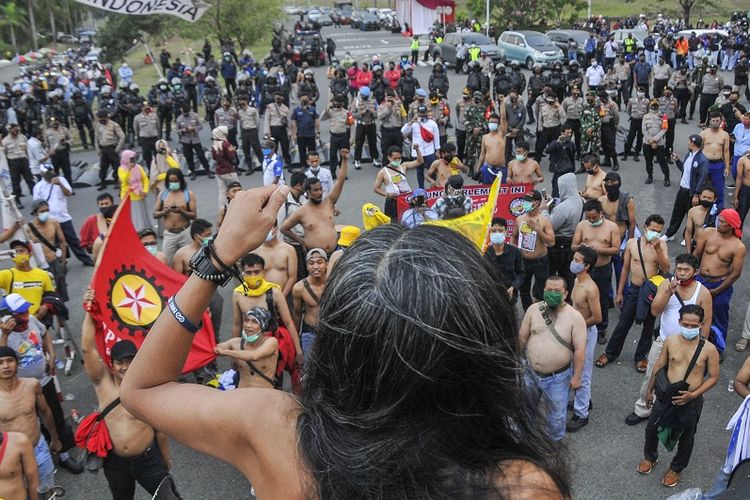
36	152
427	148
610	49
325	177
273	167
687	168
594	75
670	317
56	199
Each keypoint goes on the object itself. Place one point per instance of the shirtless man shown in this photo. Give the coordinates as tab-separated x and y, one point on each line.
20	400
491	161
448	164
135	444
716	148
676	355
306	295
603	236
177	206
148	240
585	299
316	216
256	353
19	476
550	355
699	217
233	188
635	271
281	261
200	231
47	231
533	234
522	169
618	206
722	254
262	293
391	181
595	178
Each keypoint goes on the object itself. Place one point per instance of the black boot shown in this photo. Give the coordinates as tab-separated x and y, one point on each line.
615	164
650	179
624	156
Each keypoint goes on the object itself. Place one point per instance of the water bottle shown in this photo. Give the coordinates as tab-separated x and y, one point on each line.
70	396
730	387
60	364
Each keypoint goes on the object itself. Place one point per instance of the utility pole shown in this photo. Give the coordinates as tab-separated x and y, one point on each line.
32	23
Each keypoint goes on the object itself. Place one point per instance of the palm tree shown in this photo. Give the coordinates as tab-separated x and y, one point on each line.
12	16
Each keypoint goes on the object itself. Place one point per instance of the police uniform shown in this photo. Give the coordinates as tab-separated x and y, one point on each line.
711	86
573	107
15	149
188	127
58	140
551	117
278	121
365	112
654	129
146	127
249	122
637	108
228	119
669	107
610	120
340	134
109	140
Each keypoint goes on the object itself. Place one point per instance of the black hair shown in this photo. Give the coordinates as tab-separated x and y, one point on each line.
523	145
494	116
592	205
693	309
105	196
180	176
297	178
590	158
252	259
499	221
448	148
146	231
654	218
426	393
589	255
710	189
312	152
310	182
689	259
393	149
198	226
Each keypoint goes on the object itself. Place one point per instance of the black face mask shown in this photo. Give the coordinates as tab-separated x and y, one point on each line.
477	100
613	191
590	172
654	108
705	203
448	158
108	212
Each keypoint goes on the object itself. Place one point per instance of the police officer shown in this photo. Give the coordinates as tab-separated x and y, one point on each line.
226	116
680	83
622	72
188	127
338	115
573	107
515	113
537	81
439	80
134	103
179	96
109	140
364	110
164	108
278	122
610	121
574	77
249	122
146	126
551	117
83	117
501	82
414	47
407	85
474	52
191	88
517	79
57	137
211	100
637	109
668	106
711	85
654	130
308	87
556	80
440	112
460	123
121	104
591	124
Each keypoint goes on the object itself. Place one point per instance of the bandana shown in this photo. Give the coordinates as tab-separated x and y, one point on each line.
256	292
733	219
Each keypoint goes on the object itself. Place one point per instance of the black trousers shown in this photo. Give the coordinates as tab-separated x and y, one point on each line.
635	133
107	158
191	151
544	137
19	168
669	136
560	256
338	142
687	439
661	156
693	100
609	134
61	162
251	142
193	99
231	86
682	203
365	132
576	126
165	122
659	88
148	469
683	97
391	136
625	323
460	143
304	145
71	238
148	150
83	126
538	270
232	137
744	204
64	431
281	136
602	276
707	100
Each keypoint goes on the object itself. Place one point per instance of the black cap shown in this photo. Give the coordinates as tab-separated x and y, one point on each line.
102	113
13	244
122	350
233	184
421	108
696	139
533	195
7	352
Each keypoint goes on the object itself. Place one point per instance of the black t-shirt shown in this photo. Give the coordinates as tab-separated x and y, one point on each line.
509	265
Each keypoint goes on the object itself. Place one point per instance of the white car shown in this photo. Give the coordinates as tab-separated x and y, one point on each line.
291	10
93	55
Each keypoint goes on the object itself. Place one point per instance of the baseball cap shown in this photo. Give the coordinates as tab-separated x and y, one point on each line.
533	195
348	235
123	349
696	139
15	303
421	108
319	251
233	184
15	243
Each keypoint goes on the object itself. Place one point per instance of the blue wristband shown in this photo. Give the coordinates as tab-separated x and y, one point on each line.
181	318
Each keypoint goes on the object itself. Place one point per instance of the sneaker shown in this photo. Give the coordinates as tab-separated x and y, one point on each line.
357	166
634	419
71	465
576	424
682	243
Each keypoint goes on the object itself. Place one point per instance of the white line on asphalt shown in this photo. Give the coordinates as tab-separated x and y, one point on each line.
384	42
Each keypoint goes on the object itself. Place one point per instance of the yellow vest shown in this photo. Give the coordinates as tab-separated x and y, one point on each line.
415	45
474	53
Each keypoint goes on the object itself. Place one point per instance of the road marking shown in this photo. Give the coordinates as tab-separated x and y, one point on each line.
384	42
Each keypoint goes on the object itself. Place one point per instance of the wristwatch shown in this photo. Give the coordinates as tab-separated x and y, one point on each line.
202	267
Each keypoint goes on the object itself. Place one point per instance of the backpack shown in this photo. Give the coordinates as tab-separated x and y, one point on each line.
164	194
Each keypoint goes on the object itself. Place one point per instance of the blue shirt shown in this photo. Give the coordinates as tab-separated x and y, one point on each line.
305	121
641	71
741	139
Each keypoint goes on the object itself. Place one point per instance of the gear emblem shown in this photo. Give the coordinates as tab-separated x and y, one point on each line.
136	300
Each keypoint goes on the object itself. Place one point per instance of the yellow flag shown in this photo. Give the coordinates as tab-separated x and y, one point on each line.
373	217
474	225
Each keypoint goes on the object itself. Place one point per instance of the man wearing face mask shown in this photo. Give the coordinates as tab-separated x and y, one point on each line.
254	353
108	142
474	122
321	173
491	162
188	127
662	73
46	231
603	236
522	169
58	139
680	82
716	146
637	109
687	357
146	128
610	119
594	75
573	107
711	85
278	121
553	334
425	136
533	234
701	216
619	207
654	128
148	240
365	110
644	258
591	125
505	258
594	189
27	281
551	116
281	261
407	85
693	180
227	116
338	115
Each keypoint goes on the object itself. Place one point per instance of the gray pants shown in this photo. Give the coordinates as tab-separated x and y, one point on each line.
746	325
222	181
173	242
641	409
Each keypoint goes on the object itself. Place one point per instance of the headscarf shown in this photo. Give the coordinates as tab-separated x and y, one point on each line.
219	135
733	219
134	179
160	164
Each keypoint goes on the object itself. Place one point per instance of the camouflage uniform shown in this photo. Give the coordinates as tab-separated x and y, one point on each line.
590	119
474	118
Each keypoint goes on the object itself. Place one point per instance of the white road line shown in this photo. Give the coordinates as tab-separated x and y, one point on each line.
384	42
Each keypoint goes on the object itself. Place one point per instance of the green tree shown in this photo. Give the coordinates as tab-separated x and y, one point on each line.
121	32
243	21
13	17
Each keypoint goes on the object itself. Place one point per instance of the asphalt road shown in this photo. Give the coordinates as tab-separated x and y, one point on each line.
603	456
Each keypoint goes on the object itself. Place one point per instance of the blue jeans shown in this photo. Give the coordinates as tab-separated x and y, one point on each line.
716	176
720	307
44	464
583	395
306	339
556	388
489	173
428	160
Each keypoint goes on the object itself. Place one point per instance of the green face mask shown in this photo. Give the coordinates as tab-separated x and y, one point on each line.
174	186
252	338
396	163
553	298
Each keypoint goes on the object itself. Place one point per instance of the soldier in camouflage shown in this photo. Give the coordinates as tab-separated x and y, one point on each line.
474	124
591	125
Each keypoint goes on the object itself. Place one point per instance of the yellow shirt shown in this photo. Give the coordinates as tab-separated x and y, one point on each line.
30	285
123	175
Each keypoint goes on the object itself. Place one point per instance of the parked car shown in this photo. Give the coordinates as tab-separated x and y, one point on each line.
687	33
369	22
356	18
530	48
561	38
447	49
345	13
308	46
320	19
621	35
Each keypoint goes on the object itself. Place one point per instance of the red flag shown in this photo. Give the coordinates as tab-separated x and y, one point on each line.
137	286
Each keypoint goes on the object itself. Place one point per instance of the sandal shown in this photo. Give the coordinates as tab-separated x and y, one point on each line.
641	366
602	361
646	466
741	345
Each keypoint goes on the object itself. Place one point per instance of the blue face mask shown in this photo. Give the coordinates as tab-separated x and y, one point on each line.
43	217
576	267
689	333
497	238
493	126
652	235
597	222
527	206
267	151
